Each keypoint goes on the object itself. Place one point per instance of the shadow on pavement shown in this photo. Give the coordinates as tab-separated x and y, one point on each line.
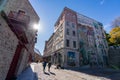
46	73
52	73
101	72
28	74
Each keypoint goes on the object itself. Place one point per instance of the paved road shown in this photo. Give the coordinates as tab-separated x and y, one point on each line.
80	74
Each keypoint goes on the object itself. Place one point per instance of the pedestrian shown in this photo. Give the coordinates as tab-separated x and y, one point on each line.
58	66
49	65
44	64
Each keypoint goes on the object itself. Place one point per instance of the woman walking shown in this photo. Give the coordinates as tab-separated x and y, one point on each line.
49	65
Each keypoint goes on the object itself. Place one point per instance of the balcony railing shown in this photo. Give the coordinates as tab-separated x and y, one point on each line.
19	17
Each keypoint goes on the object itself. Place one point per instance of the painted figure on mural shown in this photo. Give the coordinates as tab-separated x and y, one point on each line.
81	60
93	60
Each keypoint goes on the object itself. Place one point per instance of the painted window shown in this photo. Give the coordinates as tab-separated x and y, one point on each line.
95	25
67	23
71	59
73	25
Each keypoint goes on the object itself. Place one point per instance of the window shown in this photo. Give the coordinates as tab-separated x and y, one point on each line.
73	33
67	31
73	25
67	43
74	44
67	23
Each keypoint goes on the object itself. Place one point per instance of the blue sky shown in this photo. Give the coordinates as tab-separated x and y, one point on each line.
104	11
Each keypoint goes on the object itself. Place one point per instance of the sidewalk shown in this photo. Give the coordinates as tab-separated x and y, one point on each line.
35	72
64	74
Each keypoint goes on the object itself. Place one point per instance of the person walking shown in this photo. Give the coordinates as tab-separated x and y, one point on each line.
44	64
49	65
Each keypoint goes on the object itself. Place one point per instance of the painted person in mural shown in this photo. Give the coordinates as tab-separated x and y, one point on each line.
44	64
49	65
93	61
81	60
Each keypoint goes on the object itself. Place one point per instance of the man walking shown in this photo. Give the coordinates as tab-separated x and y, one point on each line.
44	64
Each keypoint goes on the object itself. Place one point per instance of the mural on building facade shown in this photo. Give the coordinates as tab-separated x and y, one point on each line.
89	39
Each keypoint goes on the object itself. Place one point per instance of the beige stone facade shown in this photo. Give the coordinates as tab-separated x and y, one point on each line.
16	49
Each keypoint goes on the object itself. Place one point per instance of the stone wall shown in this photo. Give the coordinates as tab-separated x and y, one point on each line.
8	44
114	56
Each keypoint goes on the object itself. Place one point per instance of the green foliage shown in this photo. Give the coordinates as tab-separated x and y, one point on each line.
115	67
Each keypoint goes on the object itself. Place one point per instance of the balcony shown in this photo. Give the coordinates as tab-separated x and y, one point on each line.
19	18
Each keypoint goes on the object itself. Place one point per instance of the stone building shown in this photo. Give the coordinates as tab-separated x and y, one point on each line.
49	46
37	56
76	39
17	36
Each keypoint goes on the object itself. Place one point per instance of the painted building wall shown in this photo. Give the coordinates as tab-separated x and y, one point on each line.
30	33
8	44
11	43
98	38
86	32
114	56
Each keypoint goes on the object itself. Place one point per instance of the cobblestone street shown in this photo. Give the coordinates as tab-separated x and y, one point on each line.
67	74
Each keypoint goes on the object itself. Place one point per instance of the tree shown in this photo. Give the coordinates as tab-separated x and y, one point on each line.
115	36
116	22
107	38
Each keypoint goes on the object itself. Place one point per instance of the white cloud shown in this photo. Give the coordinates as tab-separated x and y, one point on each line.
107	27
